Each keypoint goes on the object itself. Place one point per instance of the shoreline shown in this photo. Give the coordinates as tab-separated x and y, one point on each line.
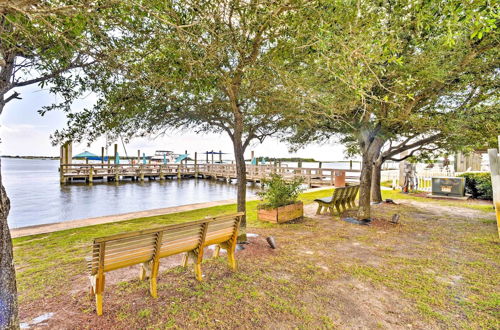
72	224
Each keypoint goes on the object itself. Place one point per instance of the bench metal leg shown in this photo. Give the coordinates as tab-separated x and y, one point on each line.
153	279
319	209
98	303
197	270
98	290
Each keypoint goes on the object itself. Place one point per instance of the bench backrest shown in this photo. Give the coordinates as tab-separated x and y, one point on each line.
128	249
345	193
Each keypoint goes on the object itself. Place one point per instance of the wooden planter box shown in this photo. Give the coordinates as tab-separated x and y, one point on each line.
282	213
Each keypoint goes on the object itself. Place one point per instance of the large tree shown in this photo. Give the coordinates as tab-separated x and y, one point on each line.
384	71
41	43
207	66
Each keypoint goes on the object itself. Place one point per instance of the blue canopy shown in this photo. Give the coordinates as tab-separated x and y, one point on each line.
85	155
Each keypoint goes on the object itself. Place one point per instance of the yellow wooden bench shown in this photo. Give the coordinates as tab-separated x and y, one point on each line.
342	199
148	246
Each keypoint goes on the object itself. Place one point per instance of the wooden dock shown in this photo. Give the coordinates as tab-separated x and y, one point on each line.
313	177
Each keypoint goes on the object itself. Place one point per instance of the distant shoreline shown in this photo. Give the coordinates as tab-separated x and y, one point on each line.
31	157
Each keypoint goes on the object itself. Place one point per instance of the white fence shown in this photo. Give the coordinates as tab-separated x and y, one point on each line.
424	178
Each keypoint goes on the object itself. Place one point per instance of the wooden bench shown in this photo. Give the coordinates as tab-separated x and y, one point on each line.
342	199
148	246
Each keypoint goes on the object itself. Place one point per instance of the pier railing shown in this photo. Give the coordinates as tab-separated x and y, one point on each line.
255	173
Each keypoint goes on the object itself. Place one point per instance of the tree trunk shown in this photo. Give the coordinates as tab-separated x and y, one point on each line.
376	177
8	291
241	176
370	147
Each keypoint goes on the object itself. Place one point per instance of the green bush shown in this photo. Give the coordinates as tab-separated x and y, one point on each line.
478	185
278	192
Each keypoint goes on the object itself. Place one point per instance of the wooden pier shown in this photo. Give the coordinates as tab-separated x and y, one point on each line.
313	177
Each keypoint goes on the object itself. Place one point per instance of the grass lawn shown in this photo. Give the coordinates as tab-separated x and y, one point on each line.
439	268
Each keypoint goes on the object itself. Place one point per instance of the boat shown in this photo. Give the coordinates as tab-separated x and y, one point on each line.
161	155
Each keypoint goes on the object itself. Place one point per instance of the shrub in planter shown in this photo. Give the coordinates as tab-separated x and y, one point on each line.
280	200
478	185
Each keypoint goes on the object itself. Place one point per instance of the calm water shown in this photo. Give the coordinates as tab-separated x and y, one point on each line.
37	197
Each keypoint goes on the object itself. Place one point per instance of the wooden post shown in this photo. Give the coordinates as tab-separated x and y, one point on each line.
207	157
196	164
69	152
102	157
91	174
141	172
138	156
61	162
220	156
212	156
66	154
179	171
495	180
299	164
116	151
350	164
320	164
117	171
252	155
161	172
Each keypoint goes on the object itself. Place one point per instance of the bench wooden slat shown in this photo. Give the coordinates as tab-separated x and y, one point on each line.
110	258
174	236
226	232
128	246
131	249
123	264
138	238
191	242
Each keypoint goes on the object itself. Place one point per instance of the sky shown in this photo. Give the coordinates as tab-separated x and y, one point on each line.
24	132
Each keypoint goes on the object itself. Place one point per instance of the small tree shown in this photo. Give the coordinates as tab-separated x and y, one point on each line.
279	192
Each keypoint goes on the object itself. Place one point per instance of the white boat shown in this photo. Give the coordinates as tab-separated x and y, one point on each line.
160	155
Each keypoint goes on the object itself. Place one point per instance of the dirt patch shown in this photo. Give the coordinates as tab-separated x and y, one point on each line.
356	306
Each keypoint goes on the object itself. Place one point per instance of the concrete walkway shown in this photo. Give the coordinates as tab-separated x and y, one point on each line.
58	226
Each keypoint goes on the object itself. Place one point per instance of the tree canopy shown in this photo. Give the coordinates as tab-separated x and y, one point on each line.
397	71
